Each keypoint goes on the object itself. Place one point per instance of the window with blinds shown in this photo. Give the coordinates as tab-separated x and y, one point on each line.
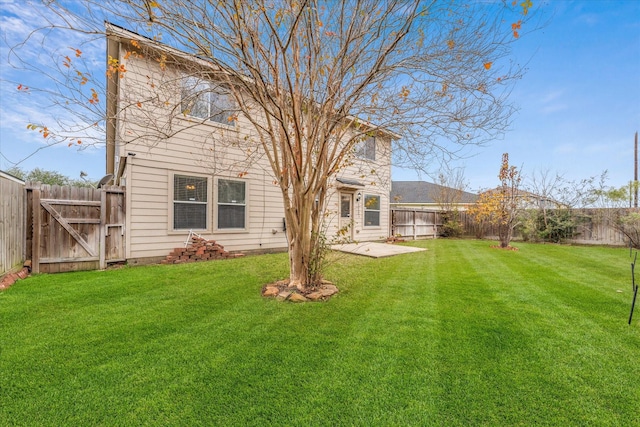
189	202
232	204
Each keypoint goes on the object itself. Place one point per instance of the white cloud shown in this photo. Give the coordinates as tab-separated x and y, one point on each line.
565	149
589	19
552	95
553	102
553	108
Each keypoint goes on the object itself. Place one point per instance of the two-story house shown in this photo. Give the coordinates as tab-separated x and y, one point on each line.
171	144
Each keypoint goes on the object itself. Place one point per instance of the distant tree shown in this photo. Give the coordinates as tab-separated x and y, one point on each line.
616	203
484	211
611	197
629	225
448	195
48	177
17	172
552	217
501	206
511	201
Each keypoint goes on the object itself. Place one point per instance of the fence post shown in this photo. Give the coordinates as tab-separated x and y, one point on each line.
415	227
37	230
102	228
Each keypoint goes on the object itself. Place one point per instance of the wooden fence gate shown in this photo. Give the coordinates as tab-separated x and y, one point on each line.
74	228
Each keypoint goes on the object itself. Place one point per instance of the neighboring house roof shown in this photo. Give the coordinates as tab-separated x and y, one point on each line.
421	192
532	199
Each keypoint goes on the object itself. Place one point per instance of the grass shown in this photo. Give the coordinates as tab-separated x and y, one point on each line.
461	334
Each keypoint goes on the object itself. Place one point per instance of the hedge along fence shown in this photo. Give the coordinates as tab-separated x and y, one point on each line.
12	228
596	226
593	226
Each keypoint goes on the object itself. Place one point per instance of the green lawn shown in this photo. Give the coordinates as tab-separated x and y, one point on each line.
461	334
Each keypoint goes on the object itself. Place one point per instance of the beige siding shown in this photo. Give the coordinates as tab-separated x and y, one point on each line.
150	227
205	150
376	177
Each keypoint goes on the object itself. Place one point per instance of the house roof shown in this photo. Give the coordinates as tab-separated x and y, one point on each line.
350	182
423	192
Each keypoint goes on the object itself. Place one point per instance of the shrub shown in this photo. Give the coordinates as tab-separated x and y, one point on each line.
559	225
629	225
451	225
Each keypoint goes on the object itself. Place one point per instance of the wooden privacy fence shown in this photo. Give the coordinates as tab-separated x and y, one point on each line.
598	226
11	222
415	224
73	228
593	226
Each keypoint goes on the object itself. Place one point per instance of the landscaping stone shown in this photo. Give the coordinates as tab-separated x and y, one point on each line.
314	296
296	297
328	290
284	295
282	292
271	291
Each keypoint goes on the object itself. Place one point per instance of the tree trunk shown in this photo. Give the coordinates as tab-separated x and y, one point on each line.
303	239
505	230
299	267
503	234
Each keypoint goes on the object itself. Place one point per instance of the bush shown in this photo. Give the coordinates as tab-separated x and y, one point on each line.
560	225
451	225
629	225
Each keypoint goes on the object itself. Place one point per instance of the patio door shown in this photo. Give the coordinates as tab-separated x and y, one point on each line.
346	213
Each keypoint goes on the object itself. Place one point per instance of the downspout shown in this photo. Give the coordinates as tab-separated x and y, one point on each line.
113	51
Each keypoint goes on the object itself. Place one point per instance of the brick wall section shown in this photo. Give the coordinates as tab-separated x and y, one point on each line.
199	249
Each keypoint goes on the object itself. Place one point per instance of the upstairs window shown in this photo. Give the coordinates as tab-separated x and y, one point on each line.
232	204
371	210
189	202
366	149
206	100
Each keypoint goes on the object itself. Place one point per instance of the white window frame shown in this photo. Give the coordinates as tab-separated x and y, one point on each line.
218	203
366	149
366	209
173	201
194	89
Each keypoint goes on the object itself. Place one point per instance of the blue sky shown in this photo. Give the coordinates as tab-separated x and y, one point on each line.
579	102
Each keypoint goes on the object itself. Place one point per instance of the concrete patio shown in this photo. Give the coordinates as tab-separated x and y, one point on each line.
375	250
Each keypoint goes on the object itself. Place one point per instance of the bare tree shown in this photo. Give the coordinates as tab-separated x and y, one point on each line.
451	186
316	78
448	195
546	189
